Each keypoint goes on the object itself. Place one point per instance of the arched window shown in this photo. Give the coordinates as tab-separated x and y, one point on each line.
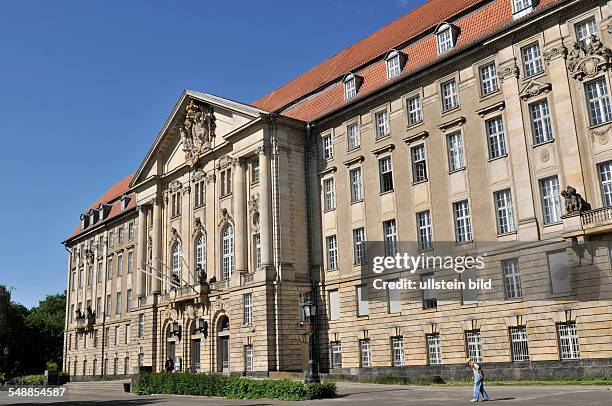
200	252
228	251
176	263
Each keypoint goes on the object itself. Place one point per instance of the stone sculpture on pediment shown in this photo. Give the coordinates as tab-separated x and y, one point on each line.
198	131
588	61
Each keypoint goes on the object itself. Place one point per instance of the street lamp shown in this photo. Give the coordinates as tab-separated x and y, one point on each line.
310	314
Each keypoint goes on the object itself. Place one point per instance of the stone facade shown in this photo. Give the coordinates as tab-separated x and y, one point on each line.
261	202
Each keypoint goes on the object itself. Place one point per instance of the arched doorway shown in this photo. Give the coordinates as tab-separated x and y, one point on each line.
223	344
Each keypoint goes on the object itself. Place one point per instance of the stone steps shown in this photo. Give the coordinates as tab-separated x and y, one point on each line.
106	386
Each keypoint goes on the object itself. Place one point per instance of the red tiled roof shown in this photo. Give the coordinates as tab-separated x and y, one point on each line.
473	26
111	196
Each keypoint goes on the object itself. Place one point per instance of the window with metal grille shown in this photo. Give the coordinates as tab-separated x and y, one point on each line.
352	136
248	358
598	101
569	346
532	60
424	229
419	164
454	145
434	349
336	354
366	353
450	97
397	351
540	122
488	79
386	174
463	221
382	124
330	194
356	185
332	252
605	179
473	345
496	137
390	237
512	278
551	199
415	112
359	255
518	343
504	211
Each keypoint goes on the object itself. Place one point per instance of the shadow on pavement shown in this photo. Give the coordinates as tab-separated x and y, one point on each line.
343	395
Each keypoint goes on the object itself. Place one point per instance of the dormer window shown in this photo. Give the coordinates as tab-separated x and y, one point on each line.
521	8
447	37
101	212
350	86
83	221
92	217
395	61
125	200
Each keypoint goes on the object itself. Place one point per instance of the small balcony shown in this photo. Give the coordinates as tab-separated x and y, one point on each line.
85	323
588	224
187	293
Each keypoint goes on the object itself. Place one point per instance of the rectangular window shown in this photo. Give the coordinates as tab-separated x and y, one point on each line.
255	171
430	300
393	66
198	195
551	199
419	165
248	358
366	353
99	275
118	303
518	343
585	29
128	334
512	278
520	5
119	265
90	275
330	194
454	145
336	354
434	349
304	298
350	88
390	237
415	112
445	41
386	174
131	231
450	97
395	300
560	275
598	101
176	204
98	306
197	354
332	252
257	250
81	277
116	336
382	124
141	325
504	211
334	304
128	304
108	305
463	221
359	255
473	345
247	301
328	147
109	269
362	300
111	238
569	345
532	60
130	262
424	230
352	136
488	79
605	179
121	234
496	137
356	185
397	351
540	122
226	182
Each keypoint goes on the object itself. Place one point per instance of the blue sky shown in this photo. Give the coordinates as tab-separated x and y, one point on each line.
85	87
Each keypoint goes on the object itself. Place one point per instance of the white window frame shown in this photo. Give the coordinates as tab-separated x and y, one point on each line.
604	170
489	82
550	196
473	345
353	136
381	121
583	30
385	168
504	211
519	343
350	87
531	55
331	244
424	230
597	95
329	190
361	294
247	313
356	186
444	38
449	93
496	137
397	351
327	146
415	109
434	349
512	278
454	146
365	351
359	246
569	343
541	122
336	354
419	163
394	67
463	221
390	237
227	254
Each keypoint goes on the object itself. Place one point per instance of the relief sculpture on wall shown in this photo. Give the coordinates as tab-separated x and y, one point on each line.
588	61
197	131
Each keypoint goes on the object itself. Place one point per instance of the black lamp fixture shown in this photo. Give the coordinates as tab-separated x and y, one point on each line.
175	330
310	314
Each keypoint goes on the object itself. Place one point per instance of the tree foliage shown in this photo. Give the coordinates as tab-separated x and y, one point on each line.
33	337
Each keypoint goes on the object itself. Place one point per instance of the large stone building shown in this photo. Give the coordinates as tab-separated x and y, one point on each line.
475	123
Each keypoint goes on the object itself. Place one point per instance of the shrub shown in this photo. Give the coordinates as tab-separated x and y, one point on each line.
2	377
185	383
31	380
51	366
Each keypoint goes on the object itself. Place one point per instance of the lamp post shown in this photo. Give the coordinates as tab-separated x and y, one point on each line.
310	314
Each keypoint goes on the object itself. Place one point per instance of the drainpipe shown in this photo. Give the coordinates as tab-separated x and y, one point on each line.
275	231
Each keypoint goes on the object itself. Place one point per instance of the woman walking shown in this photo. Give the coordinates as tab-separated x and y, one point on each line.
478	382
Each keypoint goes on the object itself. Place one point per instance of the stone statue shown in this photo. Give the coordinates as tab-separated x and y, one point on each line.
574	203
201	274
596	47
198	131
176	281
575	55
79	314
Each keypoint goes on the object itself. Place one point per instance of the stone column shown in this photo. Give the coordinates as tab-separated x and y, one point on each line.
519	160
141	252
265	209
156	240
239	209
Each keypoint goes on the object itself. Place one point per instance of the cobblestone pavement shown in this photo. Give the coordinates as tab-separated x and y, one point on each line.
353	395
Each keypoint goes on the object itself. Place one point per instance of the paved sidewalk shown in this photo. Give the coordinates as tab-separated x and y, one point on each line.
355	395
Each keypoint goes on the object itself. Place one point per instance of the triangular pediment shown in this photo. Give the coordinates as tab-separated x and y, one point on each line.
534	88
198	123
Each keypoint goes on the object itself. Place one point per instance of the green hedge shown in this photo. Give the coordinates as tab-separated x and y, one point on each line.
185	383
31	380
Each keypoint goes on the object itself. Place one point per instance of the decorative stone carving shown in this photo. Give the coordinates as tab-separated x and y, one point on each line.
574	203
544	155
225	217
197	131
193	311
175	237
186	189
534	88
198	227
226	161
198	175
508	72
609	29
554	53
588	62
175	186
210	178
254	203
602	135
